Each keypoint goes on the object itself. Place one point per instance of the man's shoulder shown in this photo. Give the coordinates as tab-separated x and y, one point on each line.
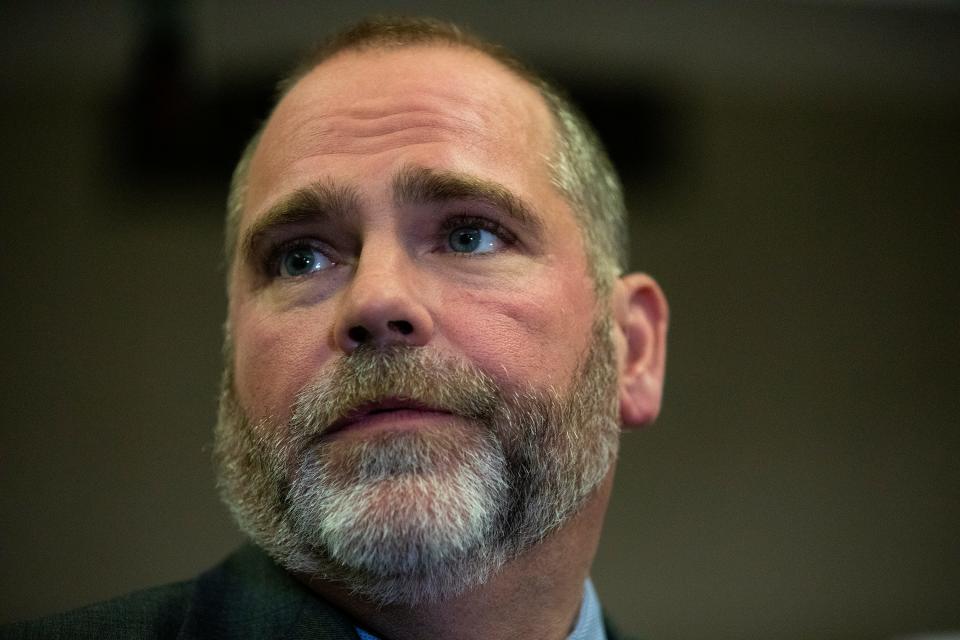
246	595
157	612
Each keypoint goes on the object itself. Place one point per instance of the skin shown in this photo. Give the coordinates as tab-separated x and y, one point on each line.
521	311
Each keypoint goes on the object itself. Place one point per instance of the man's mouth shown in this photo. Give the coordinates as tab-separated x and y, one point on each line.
387	414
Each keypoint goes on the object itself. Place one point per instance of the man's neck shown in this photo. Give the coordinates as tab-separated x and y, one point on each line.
535	596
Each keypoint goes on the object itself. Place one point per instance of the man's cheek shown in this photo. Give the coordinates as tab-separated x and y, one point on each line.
515	338
271	364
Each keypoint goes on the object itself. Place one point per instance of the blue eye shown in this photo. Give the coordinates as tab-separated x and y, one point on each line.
301	260
472	240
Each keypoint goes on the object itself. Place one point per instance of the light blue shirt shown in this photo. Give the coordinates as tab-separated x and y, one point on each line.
589	621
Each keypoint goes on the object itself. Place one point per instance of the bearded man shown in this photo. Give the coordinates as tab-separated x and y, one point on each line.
430	353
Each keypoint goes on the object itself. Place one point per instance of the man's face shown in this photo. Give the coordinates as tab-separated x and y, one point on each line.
418	354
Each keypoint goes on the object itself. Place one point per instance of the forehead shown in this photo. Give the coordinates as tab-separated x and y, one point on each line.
454	107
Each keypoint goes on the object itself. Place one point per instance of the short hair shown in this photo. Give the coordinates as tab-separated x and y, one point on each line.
580	167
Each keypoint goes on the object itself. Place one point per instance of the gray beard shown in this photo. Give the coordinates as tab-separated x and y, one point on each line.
417	516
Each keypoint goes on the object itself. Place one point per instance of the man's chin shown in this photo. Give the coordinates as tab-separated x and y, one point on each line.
416	507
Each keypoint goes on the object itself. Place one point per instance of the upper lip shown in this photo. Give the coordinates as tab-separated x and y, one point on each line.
365	409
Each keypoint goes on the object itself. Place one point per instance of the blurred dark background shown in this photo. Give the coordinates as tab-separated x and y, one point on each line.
794	177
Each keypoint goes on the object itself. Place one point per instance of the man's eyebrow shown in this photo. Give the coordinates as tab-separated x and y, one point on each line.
314	202
421	185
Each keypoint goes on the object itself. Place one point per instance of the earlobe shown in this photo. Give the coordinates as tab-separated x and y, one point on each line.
642	316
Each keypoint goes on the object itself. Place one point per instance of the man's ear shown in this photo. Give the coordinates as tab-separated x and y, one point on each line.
641	316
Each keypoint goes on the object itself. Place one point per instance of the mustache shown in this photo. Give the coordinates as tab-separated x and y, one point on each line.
397	373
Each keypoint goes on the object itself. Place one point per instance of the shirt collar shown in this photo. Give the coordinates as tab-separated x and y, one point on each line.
589	621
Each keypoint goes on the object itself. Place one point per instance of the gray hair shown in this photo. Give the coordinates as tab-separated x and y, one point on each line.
579	166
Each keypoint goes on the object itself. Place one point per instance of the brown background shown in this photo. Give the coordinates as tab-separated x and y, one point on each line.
795	179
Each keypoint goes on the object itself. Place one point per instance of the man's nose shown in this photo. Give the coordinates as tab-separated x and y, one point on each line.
383	304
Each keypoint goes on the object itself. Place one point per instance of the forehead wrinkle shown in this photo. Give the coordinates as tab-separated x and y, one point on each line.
363	95
336	133
315	119
415	108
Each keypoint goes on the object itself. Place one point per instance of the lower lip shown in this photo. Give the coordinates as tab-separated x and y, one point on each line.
397	420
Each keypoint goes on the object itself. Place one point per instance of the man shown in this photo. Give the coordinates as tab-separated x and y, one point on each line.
429	355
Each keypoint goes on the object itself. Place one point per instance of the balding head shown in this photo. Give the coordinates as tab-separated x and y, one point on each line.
579	166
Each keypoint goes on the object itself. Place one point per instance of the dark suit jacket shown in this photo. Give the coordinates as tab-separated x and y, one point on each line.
246	596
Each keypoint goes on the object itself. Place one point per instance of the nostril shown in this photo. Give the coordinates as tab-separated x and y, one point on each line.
401	326
358	334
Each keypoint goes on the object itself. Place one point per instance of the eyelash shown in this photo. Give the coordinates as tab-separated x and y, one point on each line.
271	261
457	221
